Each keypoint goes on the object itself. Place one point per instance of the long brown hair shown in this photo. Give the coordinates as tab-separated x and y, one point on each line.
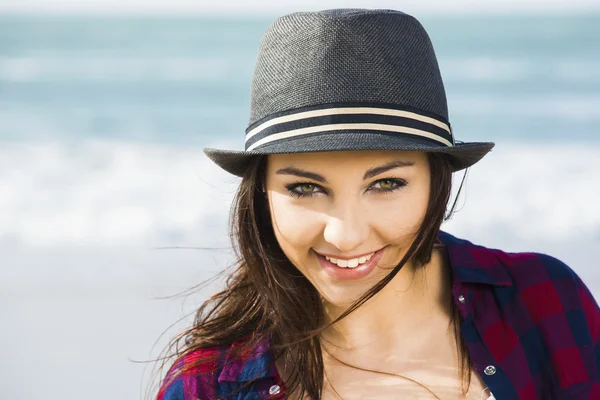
265	296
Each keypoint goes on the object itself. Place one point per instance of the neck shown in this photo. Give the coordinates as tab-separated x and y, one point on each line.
414	302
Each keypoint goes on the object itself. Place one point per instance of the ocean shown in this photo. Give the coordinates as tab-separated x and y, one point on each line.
102	124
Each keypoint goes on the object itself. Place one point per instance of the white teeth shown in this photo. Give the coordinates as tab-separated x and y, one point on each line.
353	263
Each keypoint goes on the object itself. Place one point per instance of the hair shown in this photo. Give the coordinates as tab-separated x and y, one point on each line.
265	296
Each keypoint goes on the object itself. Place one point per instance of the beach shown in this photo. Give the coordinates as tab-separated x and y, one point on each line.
109	208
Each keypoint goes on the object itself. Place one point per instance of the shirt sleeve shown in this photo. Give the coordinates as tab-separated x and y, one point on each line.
192	377
592	315
173	392
172	387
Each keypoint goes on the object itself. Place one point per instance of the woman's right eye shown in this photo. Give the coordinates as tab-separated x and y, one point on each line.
303	189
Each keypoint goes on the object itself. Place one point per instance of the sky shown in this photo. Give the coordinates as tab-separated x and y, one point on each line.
245	7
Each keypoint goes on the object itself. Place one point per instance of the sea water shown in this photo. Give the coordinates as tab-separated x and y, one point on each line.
102	125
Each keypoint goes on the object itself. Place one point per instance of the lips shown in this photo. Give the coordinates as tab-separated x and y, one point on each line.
346	269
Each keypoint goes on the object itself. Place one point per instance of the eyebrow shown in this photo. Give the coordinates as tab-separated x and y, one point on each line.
386	167
369	174
301	173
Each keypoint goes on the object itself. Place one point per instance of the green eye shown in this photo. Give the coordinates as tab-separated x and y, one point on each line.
386	184
304	189
307	188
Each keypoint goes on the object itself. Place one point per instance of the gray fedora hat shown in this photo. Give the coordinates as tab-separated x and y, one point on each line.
347	79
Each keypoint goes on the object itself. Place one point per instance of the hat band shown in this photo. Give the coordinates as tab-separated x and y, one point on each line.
330	118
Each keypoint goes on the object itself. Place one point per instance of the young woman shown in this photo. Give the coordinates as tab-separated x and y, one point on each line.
345	286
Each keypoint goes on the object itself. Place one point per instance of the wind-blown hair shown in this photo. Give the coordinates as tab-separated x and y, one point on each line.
265	296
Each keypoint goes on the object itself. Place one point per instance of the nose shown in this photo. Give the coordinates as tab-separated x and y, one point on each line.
347	230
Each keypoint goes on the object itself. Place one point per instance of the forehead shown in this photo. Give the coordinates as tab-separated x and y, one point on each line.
344	159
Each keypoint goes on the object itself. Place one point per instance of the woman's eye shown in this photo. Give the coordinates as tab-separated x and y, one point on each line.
303	189
388	185
307	189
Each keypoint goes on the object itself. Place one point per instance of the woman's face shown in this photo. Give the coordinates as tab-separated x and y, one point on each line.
345	219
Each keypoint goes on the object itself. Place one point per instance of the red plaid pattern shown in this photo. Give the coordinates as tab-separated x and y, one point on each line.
531	325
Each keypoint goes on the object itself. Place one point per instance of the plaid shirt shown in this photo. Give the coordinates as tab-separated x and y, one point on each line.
531	325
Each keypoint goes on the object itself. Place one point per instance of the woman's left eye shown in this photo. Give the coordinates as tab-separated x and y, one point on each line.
388	185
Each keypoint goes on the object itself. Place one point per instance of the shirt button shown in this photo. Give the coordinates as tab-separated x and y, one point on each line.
461	298
275	389
490	370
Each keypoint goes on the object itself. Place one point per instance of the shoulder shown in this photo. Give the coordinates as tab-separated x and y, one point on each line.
523	269
544	279
550	290
530	268
542	284
540	279
171	387
172	391
193	375
214	372
530	309
546	285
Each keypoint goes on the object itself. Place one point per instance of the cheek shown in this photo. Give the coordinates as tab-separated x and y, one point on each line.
296	228
398	219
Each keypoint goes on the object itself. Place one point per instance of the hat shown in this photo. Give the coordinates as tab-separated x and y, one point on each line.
347	79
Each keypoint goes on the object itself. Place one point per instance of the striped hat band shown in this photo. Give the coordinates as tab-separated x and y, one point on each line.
343	117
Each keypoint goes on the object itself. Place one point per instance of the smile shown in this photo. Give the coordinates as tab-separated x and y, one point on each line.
350	268
351	263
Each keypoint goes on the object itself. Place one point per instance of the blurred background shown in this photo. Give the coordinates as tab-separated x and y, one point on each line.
105	107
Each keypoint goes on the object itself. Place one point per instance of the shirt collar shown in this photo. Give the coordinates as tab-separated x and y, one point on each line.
473	263
470	264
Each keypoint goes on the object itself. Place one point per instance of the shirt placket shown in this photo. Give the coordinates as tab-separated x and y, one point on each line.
481	357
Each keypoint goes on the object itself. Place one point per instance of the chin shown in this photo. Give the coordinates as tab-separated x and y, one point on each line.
341	297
